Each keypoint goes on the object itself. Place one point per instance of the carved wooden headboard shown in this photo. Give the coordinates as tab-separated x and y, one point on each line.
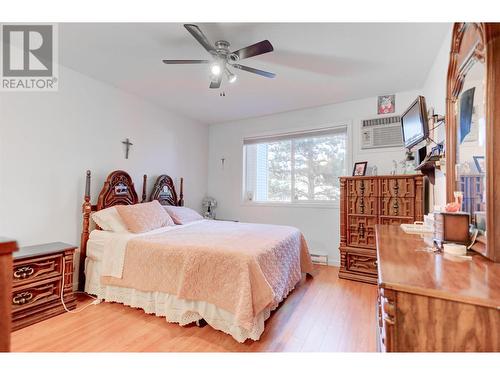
164	191
117	189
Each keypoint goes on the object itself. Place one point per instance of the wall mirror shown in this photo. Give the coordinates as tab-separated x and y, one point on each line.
470	164
473	126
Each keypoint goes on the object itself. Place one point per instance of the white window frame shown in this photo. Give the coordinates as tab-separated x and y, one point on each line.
347	125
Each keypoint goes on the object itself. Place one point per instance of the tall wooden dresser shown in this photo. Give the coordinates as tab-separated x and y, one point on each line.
369	200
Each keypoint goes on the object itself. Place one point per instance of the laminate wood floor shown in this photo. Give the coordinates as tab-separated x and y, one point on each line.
323	313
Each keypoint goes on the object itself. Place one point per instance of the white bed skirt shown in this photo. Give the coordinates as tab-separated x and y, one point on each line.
175	310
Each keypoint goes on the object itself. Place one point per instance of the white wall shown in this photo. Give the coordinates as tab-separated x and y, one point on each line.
48	140
319	225
434	90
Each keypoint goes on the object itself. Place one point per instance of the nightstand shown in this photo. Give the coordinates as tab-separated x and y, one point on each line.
7	247
37	282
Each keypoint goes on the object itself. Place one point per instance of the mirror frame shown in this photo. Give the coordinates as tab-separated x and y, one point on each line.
477	43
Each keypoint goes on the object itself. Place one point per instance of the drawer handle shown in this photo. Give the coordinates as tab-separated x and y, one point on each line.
396	187
22	298
23	272
396	206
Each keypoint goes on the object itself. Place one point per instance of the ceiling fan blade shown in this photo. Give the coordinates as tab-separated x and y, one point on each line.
253	70
186	61
200	37
216	81
254	50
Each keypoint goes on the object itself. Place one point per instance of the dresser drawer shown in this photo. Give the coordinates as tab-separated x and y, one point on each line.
30	270
34	294
38	281
380	323
391	220
360	205
397	187
397	206
387	306
361	231
362	187
363	262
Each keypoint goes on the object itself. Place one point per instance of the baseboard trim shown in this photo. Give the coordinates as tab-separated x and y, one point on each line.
335	263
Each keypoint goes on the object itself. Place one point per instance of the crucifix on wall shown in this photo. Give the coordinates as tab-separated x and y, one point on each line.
127	144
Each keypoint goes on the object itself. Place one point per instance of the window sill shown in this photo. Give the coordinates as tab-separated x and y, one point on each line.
323	205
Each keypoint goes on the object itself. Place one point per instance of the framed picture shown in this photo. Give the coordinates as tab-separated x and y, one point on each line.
479	161
359	168
386	104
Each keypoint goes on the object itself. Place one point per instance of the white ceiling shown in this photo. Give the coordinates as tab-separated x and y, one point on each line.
316	64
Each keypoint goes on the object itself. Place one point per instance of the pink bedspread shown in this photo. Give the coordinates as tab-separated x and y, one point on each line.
239	267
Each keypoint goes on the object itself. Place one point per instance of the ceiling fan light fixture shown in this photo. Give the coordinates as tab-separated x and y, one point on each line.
231	77
215	69
222	57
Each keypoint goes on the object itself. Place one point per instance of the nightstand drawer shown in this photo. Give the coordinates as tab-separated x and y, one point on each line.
30	270
38	280
34	294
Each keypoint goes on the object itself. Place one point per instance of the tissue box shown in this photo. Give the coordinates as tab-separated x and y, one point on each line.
451	227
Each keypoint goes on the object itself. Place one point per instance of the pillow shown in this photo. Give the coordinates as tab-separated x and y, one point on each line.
109	219
182	215
144	217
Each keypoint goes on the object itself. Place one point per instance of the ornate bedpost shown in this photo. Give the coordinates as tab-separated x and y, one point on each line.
86	210
181	194
144	180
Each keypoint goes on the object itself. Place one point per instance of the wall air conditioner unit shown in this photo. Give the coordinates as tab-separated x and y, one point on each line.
381	132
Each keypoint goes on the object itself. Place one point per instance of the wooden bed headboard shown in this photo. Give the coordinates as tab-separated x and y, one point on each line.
164	191
117	189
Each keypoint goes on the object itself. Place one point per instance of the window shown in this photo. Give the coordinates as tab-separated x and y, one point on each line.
295	167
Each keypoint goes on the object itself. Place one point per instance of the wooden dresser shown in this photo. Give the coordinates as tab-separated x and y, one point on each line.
434	302
37	281
7	247
365	202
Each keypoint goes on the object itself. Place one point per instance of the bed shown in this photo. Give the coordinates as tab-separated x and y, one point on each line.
227	274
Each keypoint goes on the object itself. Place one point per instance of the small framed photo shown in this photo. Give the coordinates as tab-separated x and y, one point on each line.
386	104
359	168
479	161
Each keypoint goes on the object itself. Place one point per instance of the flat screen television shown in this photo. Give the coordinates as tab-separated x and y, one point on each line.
414	123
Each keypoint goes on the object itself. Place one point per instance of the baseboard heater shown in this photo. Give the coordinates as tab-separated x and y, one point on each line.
319	258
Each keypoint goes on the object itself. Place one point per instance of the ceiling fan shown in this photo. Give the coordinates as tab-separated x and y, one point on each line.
223	59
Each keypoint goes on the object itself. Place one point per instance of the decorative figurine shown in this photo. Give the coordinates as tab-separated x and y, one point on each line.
457	205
